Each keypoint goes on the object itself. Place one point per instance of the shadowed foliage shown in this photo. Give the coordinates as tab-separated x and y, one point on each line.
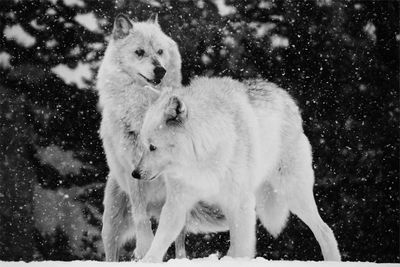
339	59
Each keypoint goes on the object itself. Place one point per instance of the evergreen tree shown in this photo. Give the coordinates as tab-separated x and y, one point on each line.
40	111
340	60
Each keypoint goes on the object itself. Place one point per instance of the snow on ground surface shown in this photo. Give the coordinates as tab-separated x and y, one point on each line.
207	262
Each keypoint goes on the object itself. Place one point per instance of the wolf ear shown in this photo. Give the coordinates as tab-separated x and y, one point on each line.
154	18
122	26
175	112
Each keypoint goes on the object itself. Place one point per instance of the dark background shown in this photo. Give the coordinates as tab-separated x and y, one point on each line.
339	59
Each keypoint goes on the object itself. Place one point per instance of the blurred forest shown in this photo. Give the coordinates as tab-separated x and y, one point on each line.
339	59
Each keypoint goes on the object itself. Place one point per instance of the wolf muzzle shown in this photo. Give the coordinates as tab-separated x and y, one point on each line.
159	73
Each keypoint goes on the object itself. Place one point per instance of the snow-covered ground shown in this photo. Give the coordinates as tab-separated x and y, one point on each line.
207	262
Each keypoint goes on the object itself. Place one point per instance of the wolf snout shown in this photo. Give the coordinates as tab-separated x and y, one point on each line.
136	174
159	73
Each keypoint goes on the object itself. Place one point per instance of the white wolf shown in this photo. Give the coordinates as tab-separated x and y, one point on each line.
138	53
238	146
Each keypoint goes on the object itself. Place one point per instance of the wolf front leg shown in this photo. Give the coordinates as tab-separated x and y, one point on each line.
144	233
144	237
172	221
241	217
117	222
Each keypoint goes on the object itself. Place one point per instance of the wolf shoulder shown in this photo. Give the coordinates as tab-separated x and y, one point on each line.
257	90
265	97
270	96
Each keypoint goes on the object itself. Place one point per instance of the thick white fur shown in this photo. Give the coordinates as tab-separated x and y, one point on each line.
124	97
238	146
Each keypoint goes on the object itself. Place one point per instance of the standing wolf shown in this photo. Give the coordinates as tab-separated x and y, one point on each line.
138	54
238	146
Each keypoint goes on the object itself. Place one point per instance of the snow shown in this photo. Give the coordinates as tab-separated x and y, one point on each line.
224	9
19	35
261	28
74	76
36	26
72	3
89	21
5	60
206	59
61	160
370	30
211	261
324	2
279	41
265	4
154	3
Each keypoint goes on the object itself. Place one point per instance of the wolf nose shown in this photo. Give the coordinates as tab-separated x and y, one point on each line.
159	73
136	174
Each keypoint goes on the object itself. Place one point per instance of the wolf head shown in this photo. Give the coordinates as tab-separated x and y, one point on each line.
183	135
142	51
163	138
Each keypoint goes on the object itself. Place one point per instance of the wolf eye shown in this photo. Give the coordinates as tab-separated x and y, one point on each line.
139	52
152	147
160	52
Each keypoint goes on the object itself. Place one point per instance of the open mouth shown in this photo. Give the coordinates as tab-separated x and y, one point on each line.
154	81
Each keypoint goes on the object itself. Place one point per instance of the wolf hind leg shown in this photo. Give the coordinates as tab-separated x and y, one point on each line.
302	204
272	208
117	222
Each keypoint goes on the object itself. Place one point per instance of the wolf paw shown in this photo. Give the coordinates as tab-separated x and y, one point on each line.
151	259
139	253
230	252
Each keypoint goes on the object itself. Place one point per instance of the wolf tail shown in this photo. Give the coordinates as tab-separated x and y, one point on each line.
272	209
204	218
